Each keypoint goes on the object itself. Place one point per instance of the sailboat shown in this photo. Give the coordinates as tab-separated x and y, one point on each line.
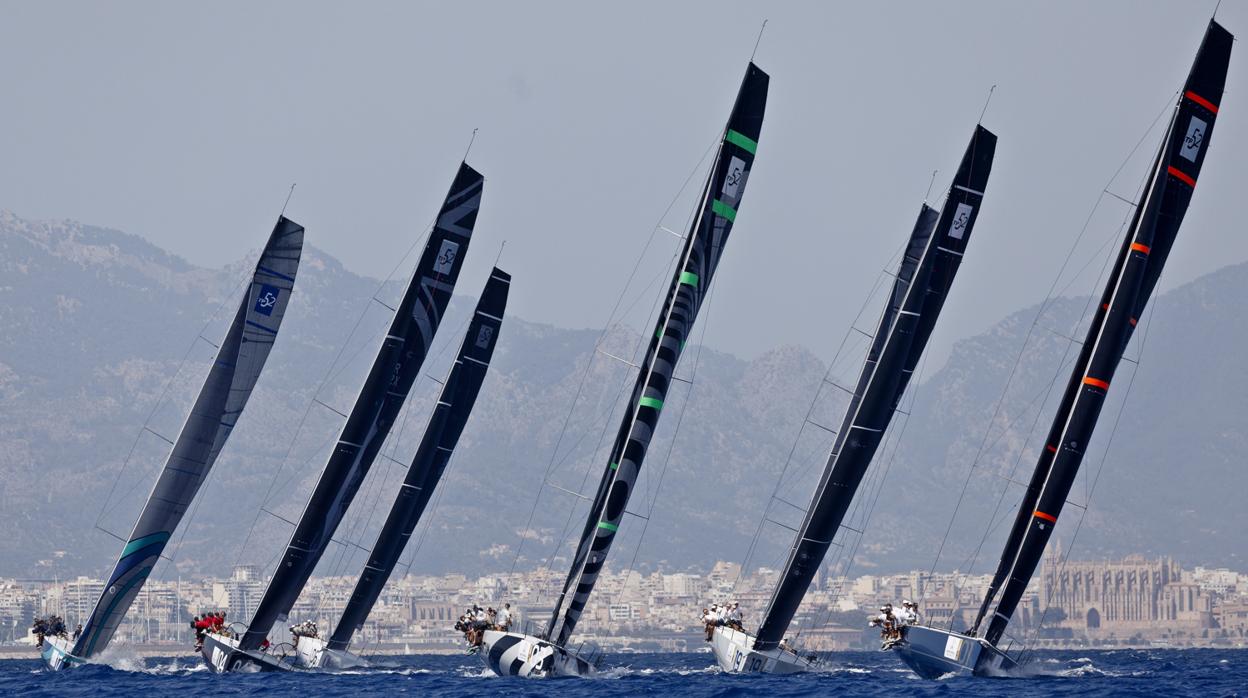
239	360
924	276
394	370
934	652
512	653
450	415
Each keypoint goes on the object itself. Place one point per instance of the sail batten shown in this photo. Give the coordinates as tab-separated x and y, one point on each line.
1137	268
450	415
718	206
240	358
925	274
394	370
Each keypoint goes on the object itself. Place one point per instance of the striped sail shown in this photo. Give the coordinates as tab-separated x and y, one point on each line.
926	273
450	416
234	372
1137	268
704	244
389	380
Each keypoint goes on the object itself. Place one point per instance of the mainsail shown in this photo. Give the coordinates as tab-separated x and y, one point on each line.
721	197
385	388
450	415
224	394
1135	273
926	272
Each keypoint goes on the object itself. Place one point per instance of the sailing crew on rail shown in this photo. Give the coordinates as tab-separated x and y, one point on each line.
887	622
504	618
909	613
734	617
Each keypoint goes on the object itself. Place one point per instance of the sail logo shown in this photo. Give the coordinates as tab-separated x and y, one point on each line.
484	336
961	221
266	299
445	260
734	178
1194	139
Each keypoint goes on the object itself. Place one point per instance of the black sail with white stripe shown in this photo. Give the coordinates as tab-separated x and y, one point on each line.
225	392
721	197
1136	270
389	380
926	273
450	415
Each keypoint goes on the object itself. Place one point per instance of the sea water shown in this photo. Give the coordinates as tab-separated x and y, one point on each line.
1197	672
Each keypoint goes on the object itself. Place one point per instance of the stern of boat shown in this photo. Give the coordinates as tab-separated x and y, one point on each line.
735	653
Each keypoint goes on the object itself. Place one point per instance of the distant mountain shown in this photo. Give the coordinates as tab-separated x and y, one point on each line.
93	322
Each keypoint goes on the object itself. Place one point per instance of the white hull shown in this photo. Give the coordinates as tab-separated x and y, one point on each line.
56	654
516	654
734	650
314	653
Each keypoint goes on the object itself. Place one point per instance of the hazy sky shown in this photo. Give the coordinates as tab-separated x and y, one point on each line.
186	123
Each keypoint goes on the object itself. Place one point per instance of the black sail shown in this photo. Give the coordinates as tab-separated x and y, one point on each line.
721	197
1136	270
450	415
924	277
385	388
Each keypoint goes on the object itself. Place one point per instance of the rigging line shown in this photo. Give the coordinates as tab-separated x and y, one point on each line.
377	487
1064	366
666	309
106	509
801	429
1044	305
601	338
680	418
329	374
1099	470
760	38
930	183
287	202
881	478
471	140
986	102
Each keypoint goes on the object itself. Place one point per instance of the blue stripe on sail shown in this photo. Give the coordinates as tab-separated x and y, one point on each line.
258	325
270	272
138	579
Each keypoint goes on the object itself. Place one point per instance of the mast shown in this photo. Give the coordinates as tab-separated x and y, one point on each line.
1136	270
393	372
926	273
450	415
721	198
224	394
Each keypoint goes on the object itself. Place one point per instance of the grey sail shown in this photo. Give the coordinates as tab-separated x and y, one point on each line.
704	245
450	416
221	400
394	370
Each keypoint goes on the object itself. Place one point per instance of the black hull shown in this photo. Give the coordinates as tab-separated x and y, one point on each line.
222	656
